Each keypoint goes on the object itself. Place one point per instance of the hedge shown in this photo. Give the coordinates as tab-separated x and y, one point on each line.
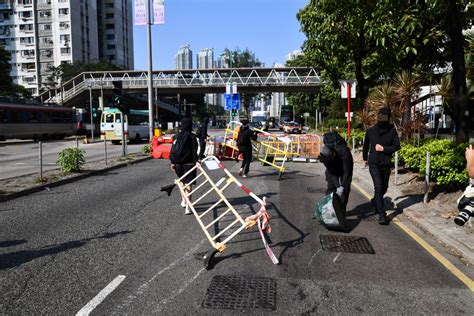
447	162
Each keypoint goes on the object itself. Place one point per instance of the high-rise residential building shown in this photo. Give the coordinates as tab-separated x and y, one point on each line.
115	31
184	58
293	55
40	34
205	58
278	99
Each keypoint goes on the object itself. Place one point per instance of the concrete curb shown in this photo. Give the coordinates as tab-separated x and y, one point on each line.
69	180
450	236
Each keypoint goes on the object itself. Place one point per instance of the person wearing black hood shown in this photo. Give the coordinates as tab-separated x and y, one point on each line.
202	136
381	141
244	143
184	155
337	158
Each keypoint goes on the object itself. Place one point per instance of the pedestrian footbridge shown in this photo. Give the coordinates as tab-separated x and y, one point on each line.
248	80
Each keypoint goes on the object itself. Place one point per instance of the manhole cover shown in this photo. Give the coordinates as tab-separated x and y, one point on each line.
316	190
351	244
241	293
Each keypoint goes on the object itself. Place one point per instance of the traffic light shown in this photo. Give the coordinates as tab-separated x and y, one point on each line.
234	112
94	112
117	100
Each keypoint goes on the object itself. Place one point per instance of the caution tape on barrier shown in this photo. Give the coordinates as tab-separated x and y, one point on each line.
206	188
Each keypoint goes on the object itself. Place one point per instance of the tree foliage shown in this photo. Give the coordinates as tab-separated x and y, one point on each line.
7	87
66	71
372	40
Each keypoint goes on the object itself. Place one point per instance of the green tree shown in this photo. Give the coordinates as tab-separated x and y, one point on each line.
375	39
457	17
66	71
242	59
7	87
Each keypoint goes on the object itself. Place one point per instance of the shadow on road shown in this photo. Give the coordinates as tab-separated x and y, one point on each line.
14	259
9	243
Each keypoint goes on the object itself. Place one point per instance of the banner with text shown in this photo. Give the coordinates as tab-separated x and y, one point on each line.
158	12
140	12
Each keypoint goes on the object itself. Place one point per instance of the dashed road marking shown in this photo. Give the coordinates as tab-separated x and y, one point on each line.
445	262
99	298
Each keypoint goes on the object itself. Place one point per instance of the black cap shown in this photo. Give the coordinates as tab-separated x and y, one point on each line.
384	115
187	124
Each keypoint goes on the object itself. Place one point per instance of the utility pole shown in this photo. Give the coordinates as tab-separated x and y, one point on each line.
89	85
150	72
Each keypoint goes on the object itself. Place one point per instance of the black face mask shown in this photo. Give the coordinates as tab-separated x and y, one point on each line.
327	155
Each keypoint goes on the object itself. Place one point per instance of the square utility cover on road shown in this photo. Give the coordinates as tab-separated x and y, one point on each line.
241	293
352	244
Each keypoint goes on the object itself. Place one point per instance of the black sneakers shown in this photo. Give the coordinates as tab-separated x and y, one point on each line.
382	220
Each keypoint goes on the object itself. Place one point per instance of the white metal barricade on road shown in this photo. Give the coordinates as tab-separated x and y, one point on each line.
214	191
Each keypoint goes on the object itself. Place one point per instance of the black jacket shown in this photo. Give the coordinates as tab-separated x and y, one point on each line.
189	152
342	164
383	134
203	132
244	138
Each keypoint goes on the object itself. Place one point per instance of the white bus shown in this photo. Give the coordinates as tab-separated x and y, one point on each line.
135	125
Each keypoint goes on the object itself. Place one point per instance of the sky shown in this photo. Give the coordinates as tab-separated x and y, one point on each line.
269	28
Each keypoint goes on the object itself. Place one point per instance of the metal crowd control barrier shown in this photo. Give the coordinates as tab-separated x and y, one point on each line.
273	152
305	146
209	188
269	149
228	145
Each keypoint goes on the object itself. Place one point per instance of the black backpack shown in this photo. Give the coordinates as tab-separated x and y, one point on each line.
181	148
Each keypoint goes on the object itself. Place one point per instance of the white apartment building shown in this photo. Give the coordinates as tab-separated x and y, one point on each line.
40	34
278	99
293	55
184	58
205	58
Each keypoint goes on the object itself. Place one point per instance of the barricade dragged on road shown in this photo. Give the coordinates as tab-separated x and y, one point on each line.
221	209
269	149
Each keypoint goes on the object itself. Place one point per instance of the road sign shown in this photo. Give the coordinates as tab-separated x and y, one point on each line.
352	114
232	101
306	114
344	88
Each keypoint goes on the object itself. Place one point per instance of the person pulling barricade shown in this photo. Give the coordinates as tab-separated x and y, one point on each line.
202	135
244	144
337	158
184	156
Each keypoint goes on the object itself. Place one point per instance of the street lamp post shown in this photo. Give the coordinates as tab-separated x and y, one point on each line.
150	73
89	85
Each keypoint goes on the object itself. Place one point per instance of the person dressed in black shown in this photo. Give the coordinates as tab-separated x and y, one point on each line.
244	143
337	158
381	141
202	136
184	156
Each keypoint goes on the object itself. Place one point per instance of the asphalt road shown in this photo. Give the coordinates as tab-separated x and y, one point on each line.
21	158
59	249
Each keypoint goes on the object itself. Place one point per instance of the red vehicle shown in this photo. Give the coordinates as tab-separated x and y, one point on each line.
292	128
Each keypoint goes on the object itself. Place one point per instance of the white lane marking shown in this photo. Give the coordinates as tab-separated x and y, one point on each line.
144	287
338	254
313	257
86	310
176	293
19	164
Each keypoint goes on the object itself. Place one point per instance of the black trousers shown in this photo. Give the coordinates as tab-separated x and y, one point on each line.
380	176
333	182
202	148
247	153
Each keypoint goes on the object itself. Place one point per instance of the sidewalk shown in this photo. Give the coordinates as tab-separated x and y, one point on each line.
430	217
